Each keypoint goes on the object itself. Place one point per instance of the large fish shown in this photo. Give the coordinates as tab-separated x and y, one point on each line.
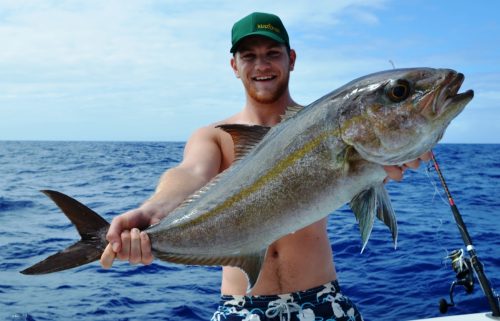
287	177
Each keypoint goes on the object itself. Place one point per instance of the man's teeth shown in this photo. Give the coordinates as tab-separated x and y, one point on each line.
264	78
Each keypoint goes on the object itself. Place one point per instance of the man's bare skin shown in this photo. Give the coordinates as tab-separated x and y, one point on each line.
298	261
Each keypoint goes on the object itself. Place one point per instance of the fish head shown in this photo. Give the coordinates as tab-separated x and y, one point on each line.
395	116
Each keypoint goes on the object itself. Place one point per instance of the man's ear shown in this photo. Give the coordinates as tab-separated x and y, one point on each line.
293	57
234	66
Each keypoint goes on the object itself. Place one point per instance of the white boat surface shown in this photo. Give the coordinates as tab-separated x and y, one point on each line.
483	316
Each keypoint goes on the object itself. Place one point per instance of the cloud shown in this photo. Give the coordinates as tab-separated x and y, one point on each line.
117	32
141	68
113	52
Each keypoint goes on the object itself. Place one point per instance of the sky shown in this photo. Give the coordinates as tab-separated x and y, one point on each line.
151	70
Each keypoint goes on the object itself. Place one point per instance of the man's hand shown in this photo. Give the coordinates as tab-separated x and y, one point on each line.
126	242
396	172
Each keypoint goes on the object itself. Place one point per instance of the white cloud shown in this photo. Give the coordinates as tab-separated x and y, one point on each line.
112	54
137	68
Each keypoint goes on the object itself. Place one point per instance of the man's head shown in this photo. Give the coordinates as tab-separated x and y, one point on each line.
259	24
262	57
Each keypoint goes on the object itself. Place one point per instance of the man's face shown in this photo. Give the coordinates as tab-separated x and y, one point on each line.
264	66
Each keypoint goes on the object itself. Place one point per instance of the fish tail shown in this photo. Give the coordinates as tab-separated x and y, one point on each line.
92	229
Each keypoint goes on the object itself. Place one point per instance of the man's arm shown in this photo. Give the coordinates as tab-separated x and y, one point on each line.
201	162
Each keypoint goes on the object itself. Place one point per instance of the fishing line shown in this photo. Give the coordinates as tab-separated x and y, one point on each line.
439	232
429	169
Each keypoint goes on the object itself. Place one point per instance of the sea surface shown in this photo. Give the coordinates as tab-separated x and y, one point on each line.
386	284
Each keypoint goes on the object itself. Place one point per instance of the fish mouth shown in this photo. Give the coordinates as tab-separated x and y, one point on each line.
449	95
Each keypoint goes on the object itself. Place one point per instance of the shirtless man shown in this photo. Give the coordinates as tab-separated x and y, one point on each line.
299	264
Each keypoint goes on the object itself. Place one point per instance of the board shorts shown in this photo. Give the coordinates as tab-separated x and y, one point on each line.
322	303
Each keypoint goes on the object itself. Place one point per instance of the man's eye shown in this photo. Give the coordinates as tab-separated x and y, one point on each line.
248	57
274	54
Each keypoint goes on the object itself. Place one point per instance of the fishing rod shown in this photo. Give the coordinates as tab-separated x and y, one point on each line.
462	265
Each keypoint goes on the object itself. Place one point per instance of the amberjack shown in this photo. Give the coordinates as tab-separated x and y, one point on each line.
287	177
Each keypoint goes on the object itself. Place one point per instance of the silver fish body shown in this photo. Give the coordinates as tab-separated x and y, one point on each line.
317	159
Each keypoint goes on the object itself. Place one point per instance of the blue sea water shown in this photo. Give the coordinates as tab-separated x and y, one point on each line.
113	177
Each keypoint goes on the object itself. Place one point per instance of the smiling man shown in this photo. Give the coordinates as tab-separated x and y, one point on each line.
298	278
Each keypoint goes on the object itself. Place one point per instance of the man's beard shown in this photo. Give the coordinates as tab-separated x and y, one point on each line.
269	96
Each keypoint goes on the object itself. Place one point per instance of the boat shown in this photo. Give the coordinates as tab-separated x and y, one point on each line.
486	316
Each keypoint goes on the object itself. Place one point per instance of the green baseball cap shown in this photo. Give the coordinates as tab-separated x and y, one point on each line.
261	24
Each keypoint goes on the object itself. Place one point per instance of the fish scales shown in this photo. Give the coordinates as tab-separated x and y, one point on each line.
281	179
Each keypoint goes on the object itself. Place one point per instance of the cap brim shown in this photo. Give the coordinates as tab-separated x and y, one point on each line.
266	34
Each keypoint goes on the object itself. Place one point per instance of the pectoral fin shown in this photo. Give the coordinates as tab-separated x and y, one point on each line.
371	203
386	214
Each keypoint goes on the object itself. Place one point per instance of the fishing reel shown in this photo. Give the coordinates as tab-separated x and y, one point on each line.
464	274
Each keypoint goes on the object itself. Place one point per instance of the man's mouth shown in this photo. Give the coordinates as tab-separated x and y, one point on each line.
263	78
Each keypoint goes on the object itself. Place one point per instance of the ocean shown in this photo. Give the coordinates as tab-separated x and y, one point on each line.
113	177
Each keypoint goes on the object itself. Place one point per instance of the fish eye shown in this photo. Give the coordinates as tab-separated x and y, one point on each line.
398	90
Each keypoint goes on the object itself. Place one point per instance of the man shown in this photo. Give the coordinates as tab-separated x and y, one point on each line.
300	264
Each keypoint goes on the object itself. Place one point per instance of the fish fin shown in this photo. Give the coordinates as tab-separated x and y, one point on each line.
92	229
78	254
363	206
371	203
386	214
245	137
252	266
290	112
249	263
345	158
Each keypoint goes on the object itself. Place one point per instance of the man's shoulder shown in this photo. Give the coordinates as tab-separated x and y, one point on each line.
210	137
212	129
206	132
210	132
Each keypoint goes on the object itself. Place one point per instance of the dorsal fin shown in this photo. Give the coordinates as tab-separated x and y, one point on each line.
245	137
291	111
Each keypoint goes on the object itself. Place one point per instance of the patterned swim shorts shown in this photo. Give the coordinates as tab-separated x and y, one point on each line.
323	303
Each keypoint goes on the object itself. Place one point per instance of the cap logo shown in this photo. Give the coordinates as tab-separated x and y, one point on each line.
268	27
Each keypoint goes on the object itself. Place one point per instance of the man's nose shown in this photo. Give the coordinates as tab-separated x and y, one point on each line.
262	62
